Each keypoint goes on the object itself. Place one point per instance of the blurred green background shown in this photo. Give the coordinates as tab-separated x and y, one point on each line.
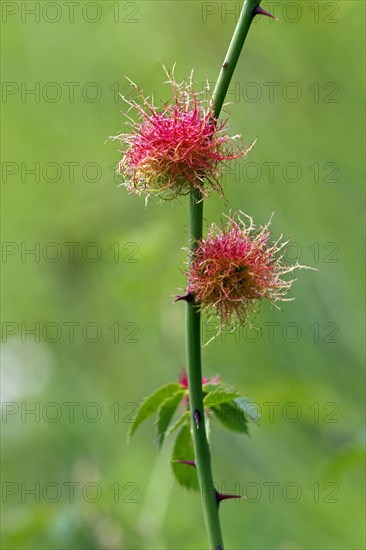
98	288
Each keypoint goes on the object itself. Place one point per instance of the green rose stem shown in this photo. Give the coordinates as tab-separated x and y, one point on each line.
201	448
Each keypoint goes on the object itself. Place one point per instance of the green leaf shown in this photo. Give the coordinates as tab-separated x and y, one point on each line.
165	414
185	474
220	395
152	403
177	424
209	387
250	409
232	416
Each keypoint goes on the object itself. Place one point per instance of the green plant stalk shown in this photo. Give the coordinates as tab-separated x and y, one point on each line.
233	53
193	318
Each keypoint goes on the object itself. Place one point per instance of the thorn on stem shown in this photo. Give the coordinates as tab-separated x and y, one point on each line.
221	496
197	418
188	297
260	11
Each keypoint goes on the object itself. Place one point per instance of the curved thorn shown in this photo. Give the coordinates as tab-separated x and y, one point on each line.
221	496
260	11
188	297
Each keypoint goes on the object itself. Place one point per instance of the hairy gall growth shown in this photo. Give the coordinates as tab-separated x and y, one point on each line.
235	267
177	148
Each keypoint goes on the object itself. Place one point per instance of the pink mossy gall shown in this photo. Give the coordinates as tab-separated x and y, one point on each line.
236	267
178	147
